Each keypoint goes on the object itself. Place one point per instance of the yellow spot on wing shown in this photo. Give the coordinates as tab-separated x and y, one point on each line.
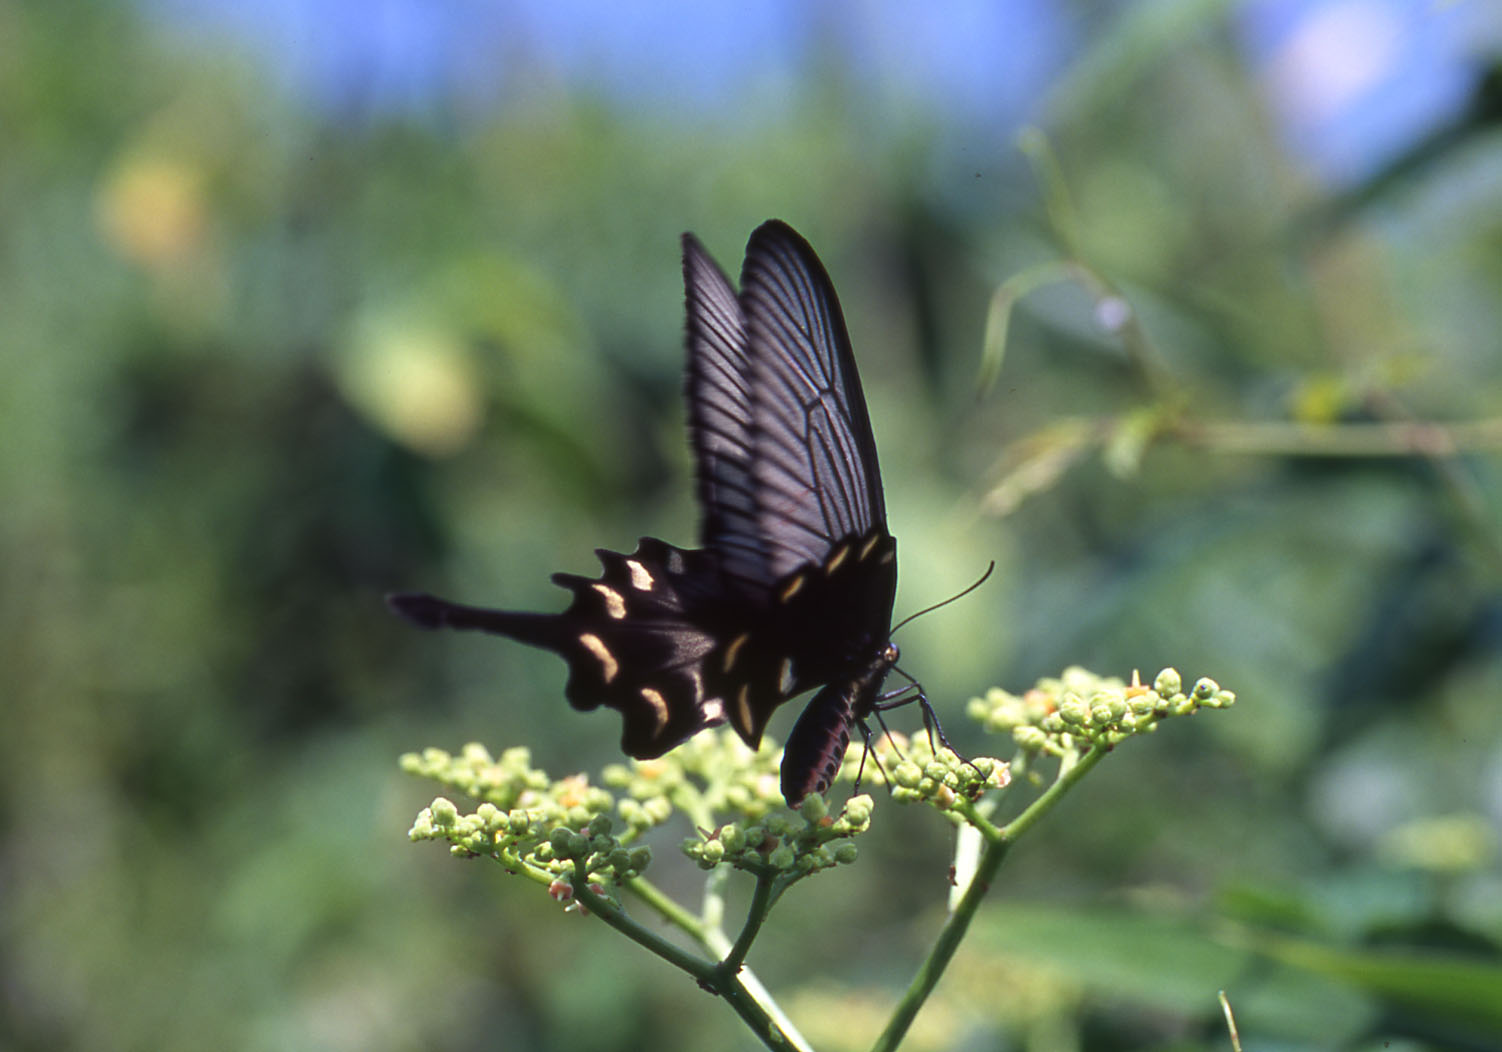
641	577
595	646
734	650
793	588
615	606
840	555
659	706
866	548
743	709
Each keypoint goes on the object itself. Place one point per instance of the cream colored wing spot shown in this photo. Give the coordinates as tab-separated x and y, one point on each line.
733	651
743	707
714	711
675	562
659	706
615	605
793	588
641	577
888	555
866	548
596	646
785	677
840	555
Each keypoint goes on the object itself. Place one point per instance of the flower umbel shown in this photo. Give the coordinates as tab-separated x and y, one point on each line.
1079	709
580	841
530	824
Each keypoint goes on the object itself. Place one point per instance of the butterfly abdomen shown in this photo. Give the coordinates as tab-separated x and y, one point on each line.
816	747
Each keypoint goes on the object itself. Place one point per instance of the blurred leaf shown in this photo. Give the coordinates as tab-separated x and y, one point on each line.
1166	964
1037	463
1453	991
1128	442
999	316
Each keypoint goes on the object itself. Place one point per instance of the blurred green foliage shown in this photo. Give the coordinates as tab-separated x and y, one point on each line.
260	364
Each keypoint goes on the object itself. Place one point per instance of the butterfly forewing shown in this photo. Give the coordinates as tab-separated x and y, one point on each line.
717	385
814	460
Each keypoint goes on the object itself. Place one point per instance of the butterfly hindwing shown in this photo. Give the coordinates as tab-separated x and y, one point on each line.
655	639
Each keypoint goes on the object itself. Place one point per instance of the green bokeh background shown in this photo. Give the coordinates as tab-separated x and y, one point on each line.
260	364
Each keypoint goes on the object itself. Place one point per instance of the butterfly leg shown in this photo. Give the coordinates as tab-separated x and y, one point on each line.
866	738
906	695
876	711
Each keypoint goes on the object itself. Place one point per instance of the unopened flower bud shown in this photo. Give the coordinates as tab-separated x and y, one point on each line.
1168	683
1030	738
1073	710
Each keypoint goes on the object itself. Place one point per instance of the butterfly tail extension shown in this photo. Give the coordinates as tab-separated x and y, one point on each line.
428	611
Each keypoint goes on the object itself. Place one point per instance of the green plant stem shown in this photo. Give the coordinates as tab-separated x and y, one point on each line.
766	1028
601	907
745	994
713	909
1388	439
673	913
1225	1006
717	944
756	914
999	842
1070	772
1397	435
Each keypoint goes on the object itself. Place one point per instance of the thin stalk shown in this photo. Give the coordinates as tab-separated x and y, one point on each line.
1390	439
716	943
737	984
756	914
673	913
601	907
999	842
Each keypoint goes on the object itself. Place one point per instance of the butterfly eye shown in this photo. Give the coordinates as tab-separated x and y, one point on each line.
891	654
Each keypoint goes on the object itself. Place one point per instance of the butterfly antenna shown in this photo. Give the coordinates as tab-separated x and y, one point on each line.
946	602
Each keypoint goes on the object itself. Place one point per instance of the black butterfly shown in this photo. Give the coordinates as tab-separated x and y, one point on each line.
793	586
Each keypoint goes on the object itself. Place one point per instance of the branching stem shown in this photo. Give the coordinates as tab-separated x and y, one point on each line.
998	843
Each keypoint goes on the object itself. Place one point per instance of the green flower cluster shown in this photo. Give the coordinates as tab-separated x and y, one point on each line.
794	843
713	773
546	828
918	771
1080	709
553	830
549	830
